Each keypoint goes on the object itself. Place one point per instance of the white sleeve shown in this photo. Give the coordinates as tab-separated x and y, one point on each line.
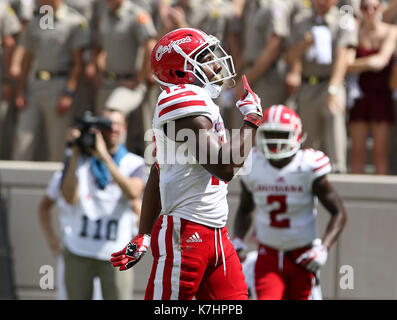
181	101
320	164
134	166
53	190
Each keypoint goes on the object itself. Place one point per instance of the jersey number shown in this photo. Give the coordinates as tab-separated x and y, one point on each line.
111	229
175	88
282	201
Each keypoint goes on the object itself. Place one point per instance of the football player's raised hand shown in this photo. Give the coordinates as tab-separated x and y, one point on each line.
249	102
132	253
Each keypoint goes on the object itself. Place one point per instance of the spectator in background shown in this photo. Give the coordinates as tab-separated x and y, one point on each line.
84	98
389	12
56	54
9	28
24	10
53	197
373	109
267	26
125	39
211	16
319	52
389	15
100	187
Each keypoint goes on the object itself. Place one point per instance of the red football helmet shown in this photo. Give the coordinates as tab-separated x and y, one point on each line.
175	58
280	134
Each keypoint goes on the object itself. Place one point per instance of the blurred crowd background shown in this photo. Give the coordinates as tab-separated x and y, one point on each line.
332	61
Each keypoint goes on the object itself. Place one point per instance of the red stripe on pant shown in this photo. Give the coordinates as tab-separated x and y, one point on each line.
169	260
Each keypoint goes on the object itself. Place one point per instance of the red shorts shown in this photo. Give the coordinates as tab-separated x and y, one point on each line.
278	277
193	260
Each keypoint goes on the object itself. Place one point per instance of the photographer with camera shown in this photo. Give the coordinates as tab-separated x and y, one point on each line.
103	183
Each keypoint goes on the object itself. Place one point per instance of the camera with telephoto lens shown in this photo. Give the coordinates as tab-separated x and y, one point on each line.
85	124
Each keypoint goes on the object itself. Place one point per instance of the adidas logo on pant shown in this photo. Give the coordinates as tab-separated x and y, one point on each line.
194	238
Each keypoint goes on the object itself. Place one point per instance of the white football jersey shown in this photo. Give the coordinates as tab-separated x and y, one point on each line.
187	189
285	204
102	220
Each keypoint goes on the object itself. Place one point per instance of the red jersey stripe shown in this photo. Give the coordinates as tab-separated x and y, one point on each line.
319	159
325	164
176	96
182	105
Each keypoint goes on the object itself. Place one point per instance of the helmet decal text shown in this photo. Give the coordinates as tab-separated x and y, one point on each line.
161	50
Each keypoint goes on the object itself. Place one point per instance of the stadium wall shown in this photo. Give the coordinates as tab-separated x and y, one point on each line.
361	265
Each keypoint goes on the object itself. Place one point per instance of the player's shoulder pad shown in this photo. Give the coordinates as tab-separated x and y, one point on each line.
170	91
316	162
182	100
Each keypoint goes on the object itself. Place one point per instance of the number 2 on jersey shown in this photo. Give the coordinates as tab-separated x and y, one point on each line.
282	201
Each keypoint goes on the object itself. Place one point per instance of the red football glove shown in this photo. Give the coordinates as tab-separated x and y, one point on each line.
132	253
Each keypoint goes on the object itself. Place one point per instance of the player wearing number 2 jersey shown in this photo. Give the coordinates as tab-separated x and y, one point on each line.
283	184
193	256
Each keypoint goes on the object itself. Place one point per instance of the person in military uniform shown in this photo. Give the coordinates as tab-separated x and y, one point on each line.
84	99
125	39
53	44
320	49
211	16
24	10
266	27
9	28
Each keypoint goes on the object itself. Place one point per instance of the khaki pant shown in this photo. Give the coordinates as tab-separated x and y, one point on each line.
80	273
325	131
41	114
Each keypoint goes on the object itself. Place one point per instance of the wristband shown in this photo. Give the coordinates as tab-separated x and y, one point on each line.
254	120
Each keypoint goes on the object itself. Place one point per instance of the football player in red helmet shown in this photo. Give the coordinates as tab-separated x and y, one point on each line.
283	184
193	256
